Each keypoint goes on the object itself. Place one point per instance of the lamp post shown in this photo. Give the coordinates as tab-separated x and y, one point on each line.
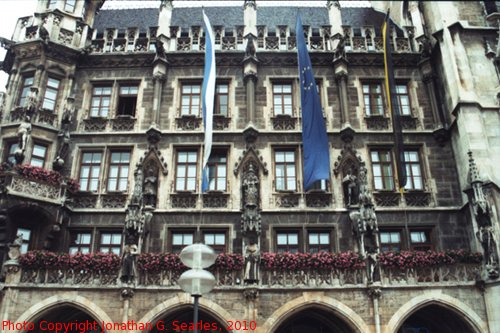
197	281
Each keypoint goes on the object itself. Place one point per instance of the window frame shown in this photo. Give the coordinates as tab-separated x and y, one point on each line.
73	6
372	97
120	166
279	248
79	246
392	244
178	248
417	246
409	170
381	164
42	159
211	164
100	107
217	111
119	112
81	164
21	100
29	241
111	245
217	248
186	173
8	144
327	248
282	95
399	95
190	95
50	88
285	164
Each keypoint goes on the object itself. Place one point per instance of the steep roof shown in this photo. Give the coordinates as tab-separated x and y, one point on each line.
232	16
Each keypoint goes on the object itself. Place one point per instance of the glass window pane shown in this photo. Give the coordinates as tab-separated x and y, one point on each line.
374	155
293	239
191	184
384	237
93	185
177	239
290	184
324	238
281	239
220	239
313	239
188	239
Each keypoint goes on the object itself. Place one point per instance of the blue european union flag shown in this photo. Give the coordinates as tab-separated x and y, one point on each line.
314	137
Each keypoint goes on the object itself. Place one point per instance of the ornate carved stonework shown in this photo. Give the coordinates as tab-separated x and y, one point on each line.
46	117
113	200
409	122
123	124
377	122
284	122
183	200
417	199
95	124
84	200
387	199
65	36
318	199
188	123
251	218
221	122
286	200
215	200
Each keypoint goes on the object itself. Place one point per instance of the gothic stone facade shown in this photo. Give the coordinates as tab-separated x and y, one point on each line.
112	99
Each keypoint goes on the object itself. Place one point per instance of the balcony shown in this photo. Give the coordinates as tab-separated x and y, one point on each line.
451	268
35	183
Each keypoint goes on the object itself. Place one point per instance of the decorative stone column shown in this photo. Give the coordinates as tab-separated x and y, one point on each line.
158	81
250	77
341	79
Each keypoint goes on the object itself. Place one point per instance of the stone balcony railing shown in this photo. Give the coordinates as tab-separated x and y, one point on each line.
41	116
455	274
16	185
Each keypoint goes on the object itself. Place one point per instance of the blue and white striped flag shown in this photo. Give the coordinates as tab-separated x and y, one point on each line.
208	93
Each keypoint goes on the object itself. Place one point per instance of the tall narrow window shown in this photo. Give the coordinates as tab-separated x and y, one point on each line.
382	170
26	237
282	99
25	90
50	96
180	239
186	171
217	171
413	172
127	101
101	99
118	171
284	167
372	96
390	240
80	242
287	241
318	241
190	100
69	6
216	240
110	242
221	99
38	156
90	170
403	99
420	240
11	151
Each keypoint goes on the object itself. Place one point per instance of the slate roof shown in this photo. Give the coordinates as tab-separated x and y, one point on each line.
232	16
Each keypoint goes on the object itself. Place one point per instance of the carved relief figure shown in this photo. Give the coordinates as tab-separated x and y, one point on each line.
350	185
23	133
129	267
150	187
30	104
137	192
250	187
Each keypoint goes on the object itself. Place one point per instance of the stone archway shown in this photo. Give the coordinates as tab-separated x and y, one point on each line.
59	309
326	312
436	312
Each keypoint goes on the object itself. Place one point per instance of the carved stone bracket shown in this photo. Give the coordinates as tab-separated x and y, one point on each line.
387	199
284	122
374	292
188	123
215	200
183	200
417	199
318	199
123	124
251	294
95	124
377	122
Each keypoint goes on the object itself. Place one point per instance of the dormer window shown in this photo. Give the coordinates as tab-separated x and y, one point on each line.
69	5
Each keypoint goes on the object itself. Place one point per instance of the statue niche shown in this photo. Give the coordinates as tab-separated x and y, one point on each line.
350	185
150	185
250	198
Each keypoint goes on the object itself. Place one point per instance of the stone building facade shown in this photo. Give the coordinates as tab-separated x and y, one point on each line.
111	99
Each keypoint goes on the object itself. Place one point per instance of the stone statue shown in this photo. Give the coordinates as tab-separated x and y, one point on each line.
250	187
373	266
250	51
350	186
150	187
338	48
24	132
30	103
252	260
129	269
160	49
137	192
44	34
486	237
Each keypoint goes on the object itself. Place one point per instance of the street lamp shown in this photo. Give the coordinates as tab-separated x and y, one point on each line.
197	281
